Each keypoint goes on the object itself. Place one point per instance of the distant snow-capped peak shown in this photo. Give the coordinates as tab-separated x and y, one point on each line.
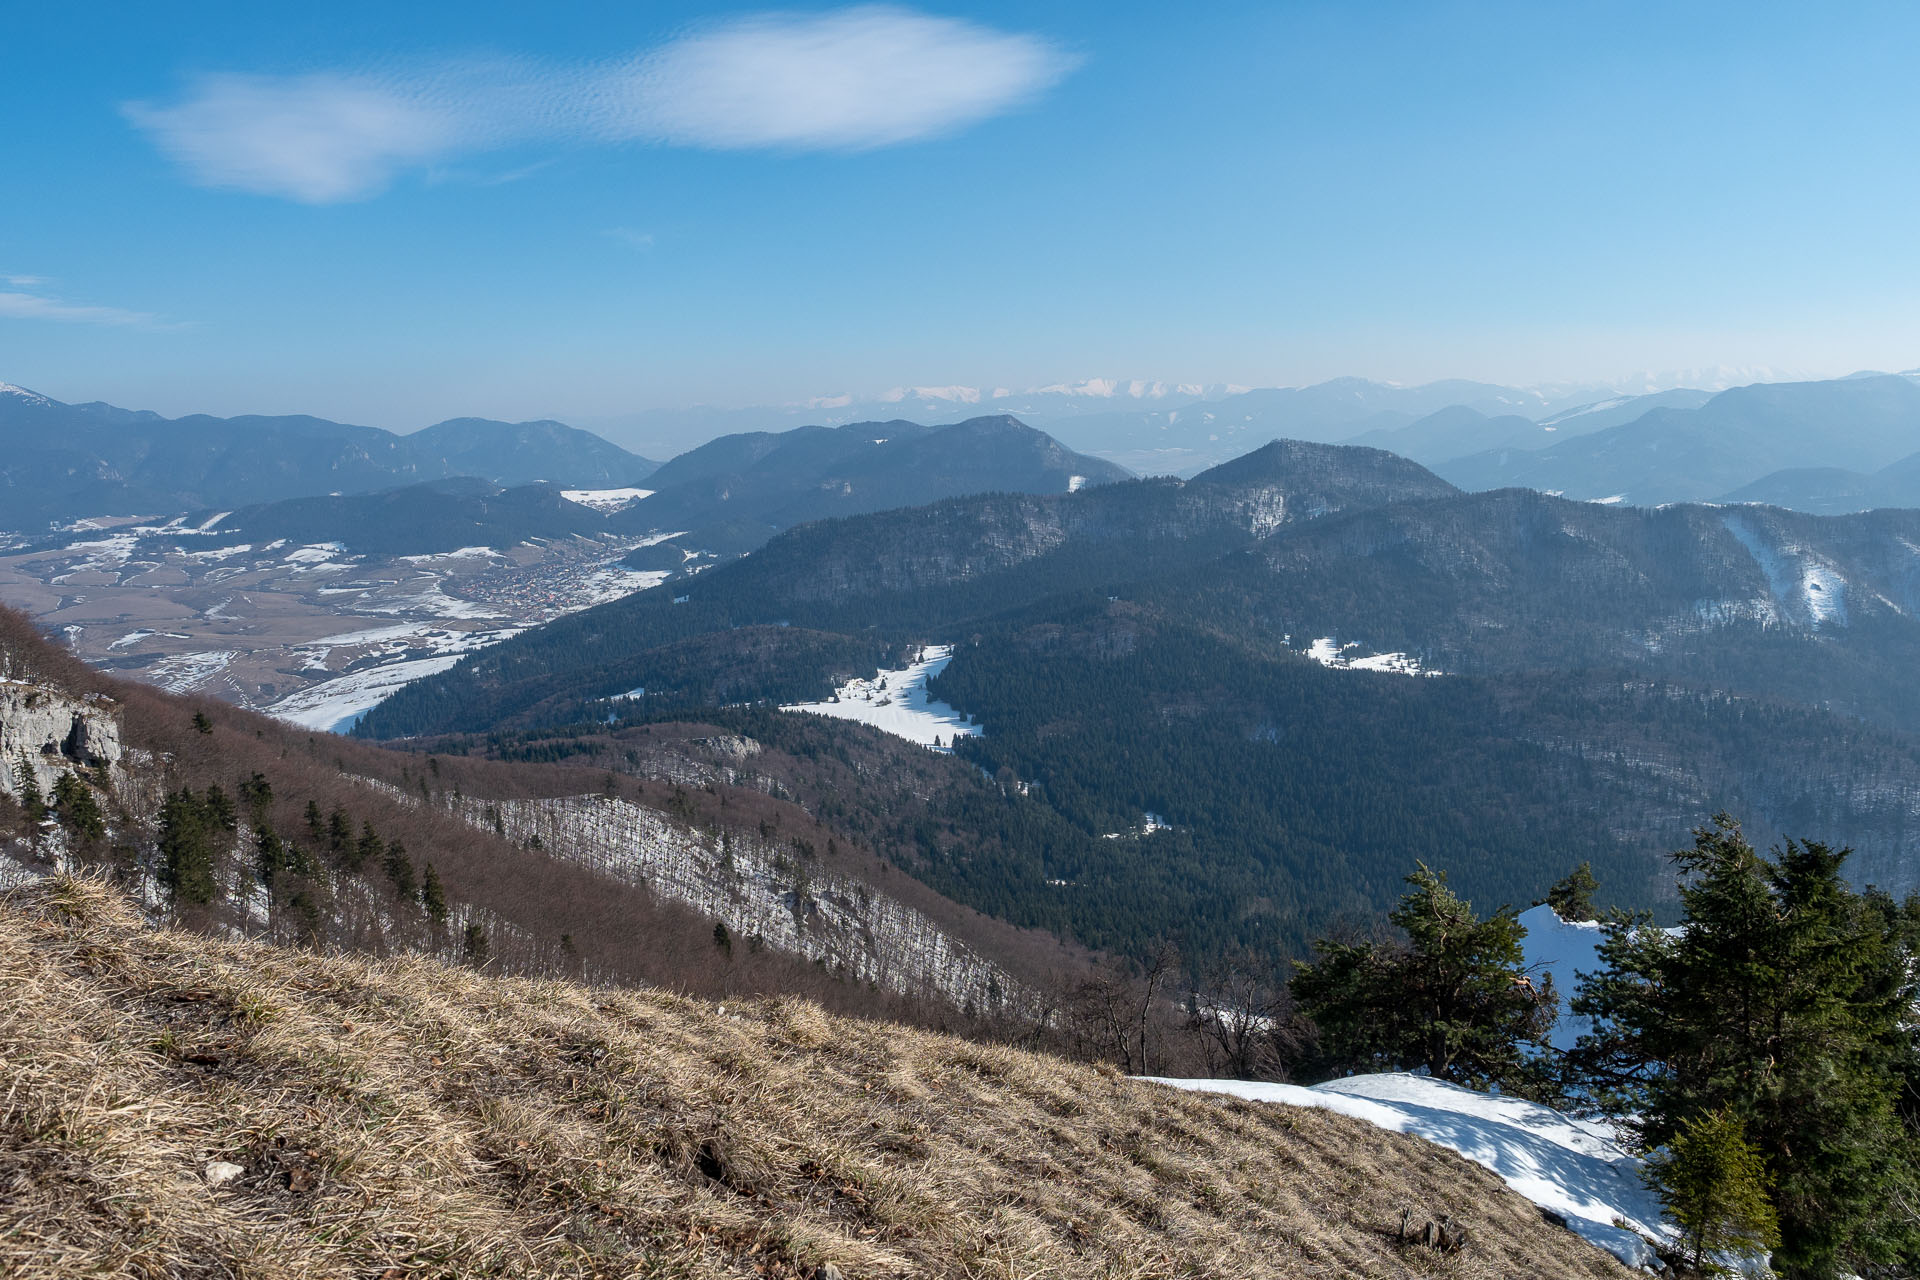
31	397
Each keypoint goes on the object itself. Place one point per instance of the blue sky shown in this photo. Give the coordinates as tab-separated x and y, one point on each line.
394	214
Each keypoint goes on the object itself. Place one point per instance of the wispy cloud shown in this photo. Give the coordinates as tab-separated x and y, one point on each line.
844	80
25	282
32	306
631	238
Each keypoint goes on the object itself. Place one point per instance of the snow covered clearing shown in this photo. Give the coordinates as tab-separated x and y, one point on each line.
606	501
317	553
1076	483
334	706
1329	652
463	553
1795	578
188	671
132	637
1566	1166
896	702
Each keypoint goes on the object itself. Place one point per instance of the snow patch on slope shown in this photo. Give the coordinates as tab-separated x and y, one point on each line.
1567	1166
1804	584
606	501
1329	652
896	702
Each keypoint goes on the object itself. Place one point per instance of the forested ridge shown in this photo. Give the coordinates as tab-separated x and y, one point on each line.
1609	675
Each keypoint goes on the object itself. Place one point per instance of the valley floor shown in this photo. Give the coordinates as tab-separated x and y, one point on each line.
312	634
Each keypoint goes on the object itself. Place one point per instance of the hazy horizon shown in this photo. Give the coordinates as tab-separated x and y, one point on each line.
397	216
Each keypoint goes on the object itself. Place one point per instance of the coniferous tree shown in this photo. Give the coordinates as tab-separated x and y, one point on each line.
257	791
1714	1187
79	812
201	723
32	802
220	808
1454	999
340	834
399	869
1572	897
316	824
1786	999
186	849
473	945
432	896
270	854
369	850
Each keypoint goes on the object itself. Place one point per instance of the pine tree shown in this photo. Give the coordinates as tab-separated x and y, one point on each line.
1572	897
1785	999
79	812
473	945
270	854
340	836
432	896
370	850
220	808
400	869
32	802
201	723
1454	999
258	793
186	849
316	824
1714	1186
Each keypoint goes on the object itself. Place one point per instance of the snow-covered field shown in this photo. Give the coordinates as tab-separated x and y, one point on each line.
1329	652
896	702
606	500
1565	949
334	705
1566	1166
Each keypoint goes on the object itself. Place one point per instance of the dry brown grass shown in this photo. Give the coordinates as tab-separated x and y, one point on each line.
400	1118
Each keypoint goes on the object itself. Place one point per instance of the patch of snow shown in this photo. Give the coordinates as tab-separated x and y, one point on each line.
132	637
896	702
606	501
1567	1166
1796	578
315	553
1076	483
1329	652
1613	501
187	671
212	521
333	706
464	553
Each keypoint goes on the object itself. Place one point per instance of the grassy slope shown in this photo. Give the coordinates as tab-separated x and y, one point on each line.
401	1118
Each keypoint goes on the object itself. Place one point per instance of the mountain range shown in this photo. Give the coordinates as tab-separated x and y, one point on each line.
1245	656
62	461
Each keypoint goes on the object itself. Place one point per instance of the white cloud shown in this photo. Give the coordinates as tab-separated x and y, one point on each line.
25	282
630	237
29	306
849	79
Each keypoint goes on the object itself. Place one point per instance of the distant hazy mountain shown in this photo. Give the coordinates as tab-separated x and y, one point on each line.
1148	426
1835	490
731	494
1185	439
59	461
1734	439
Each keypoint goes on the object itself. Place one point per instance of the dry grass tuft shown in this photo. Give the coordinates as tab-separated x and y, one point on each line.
403	1119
